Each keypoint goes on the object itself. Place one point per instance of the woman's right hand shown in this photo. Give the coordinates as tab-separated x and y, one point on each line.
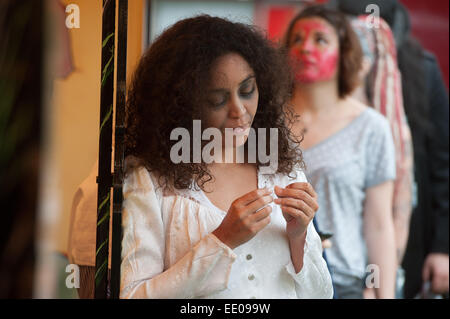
242	222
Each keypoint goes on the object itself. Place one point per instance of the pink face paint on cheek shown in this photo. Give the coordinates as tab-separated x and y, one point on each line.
317	66
327	65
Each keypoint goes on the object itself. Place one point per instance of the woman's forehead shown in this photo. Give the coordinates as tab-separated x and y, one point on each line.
230	67
312	24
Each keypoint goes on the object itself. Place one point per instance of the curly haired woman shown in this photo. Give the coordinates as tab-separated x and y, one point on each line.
213	229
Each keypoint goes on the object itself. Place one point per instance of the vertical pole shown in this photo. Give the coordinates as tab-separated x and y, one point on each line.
104	178
119	148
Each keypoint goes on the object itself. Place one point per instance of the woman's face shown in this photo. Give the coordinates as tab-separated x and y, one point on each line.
314	50
232	98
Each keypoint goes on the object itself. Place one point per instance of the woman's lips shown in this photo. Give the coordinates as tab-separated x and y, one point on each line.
240	130
307	62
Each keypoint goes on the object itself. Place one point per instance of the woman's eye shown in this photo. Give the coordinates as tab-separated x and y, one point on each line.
217	101
297	39
248	90
321	40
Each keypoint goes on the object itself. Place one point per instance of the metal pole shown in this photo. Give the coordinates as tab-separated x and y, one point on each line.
119	148
104	178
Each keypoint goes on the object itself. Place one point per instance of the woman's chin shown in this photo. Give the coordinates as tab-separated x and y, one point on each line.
306	79
240	141
238	145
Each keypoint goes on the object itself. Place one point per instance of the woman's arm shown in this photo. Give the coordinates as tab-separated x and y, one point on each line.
297	248
313	280
298	203
379	235
203	270
402	201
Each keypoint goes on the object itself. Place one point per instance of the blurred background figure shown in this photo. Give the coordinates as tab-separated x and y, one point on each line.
380	87
348	150
426	105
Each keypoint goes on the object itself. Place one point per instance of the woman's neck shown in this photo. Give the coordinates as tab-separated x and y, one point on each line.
230	167
360	94
233	175
229	155
315	98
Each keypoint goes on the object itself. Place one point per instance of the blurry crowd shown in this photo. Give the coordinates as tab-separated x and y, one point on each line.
402	81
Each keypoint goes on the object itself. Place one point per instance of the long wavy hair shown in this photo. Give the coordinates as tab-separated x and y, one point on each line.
168	91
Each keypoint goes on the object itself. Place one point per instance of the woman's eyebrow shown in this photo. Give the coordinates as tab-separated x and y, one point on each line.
322	33
218	91
251	76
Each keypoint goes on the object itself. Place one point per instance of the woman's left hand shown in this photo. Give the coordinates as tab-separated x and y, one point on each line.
298	203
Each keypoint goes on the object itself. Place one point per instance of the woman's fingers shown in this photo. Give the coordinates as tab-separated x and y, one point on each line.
294	213
240	225
251	197
299	194
286	216
250	213
296	203
258	204
261	214
307	187
261	224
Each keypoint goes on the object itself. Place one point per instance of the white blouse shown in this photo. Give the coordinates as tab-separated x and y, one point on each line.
168	250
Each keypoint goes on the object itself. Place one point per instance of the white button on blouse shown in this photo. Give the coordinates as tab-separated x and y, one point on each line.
168	250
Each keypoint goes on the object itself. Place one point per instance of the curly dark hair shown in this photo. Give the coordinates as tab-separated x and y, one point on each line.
350	52
168	91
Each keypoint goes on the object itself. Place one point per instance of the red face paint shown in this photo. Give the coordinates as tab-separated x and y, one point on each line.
313	59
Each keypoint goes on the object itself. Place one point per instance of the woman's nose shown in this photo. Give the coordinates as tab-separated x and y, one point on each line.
306	46
237	108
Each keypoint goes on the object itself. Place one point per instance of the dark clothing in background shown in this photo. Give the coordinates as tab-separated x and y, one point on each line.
353	291
429	221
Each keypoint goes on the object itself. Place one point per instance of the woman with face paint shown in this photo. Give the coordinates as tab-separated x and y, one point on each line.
213	229
348	150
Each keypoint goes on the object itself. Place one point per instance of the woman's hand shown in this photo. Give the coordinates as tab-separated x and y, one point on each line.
245	218
435	269
298	203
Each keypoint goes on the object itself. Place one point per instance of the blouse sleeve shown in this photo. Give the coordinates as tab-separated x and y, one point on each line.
314	280
203	270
